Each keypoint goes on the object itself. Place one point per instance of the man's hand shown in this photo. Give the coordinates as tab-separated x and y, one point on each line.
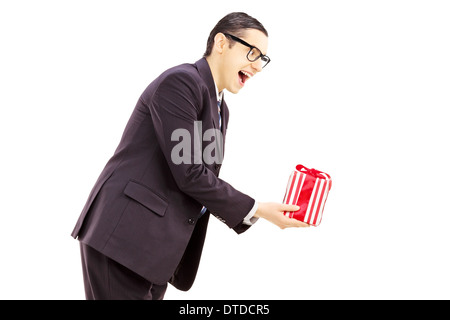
273	212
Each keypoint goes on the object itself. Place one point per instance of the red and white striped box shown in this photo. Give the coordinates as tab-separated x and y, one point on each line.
308	189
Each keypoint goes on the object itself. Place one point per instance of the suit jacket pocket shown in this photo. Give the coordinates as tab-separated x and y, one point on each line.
147	197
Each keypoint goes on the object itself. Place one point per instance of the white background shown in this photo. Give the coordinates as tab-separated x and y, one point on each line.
358	89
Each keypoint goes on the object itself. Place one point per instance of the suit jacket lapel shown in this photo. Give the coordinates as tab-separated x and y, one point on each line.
215	113
225	118
205	72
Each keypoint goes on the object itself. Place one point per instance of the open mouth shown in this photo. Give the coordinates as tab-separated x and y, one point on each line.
243	77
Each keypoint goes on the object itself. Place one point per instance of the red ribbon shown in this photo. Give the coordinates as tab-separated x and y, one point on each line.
313	172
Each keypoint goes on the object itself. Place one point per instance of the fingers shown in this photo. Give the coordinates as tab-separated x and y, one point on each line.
289	207
290	222
274	212
286	222
293	223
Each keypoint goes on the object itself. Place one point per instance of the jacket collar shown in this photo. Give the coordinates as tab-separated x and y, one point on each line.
205	72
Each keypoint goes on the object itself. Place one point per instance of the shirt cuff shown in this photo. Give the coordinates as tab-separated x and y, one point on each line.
250	219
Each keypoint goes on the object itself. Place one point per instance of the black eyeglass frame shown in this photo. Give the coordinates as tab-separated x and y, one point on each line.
262	56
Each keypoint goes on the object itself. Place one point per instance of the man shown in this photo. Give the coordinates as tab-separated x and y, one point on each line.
145	220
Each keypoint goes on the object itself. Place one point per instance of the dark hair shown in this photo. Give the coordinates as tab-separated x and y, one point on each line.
234	23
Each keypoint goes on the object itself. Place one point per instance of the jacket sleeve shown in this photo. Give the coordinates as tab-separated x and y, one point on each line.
177	103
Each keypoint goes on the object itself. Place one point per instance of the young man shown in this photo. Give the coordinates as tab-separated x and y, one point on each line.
145	221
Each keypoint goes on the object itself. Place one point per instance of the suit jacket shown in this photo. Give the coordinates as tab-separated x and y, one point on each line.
143	211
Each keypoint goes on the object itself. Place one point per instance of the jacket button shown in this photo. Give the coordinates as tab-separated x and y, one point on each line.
191	220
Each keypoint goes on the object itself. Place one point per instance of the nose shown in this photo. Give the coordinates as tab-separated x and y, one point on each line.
257	65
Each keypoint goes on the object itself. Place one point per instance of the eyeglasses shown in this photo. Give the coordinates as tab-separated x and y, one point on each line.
254	53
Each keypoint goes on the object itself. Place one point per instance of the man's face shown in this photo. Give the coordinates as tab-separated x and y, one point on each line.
236	68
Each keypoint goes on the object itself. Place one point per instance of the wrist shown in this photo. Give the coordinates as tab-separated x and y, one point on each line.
259	210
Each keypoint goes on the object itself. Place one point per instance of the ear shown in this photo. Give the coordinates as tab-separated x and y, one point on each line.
219	42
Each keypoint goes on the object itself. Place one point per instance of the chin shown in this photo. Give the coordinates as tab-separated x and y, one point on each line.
234	90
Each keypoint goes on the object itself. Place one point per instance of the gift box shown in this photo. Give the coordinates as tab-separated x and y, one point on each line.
308	189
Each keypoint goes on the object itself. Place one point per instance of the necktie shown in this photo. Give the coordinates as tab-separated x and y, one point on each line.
219	102
220	117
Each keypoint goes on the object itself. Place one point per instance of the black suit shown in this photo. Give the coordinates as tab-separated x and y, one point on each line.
143	211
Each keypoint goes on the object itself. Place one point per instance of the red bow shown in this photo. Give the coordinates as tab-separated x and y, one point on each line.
313	172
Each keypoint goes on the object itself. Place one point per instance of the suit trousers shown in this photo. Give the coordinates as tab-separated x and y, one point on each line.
106	279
